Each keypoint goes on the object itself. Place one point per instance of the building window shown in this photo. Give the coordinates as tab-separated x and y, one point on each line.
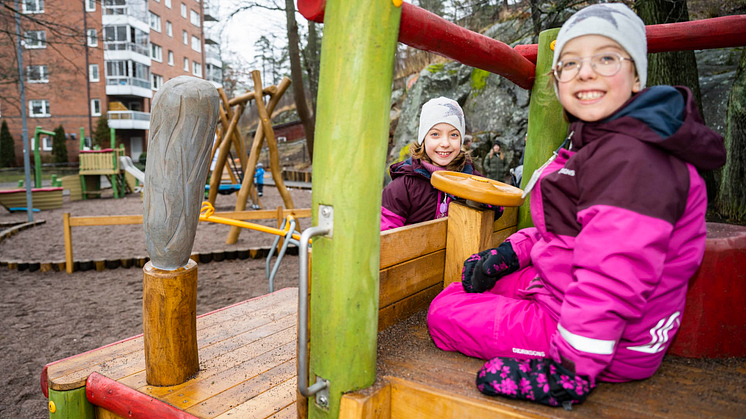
156	53
183	10
169	29
171	58
155	22
157	81
186	64
35	39
95	107
92	38
93	73
197	69
194	18
46	143
38	108
37	74
168	3
33	6
185	37
196	44
90	5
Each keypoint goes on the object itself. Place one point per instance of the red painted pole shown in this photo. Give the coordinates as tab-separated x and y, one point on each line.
426	31
127	402
429	32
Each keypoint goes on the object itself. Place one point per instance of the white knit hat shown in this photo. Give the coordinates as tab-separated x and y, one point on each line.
612	20
439	110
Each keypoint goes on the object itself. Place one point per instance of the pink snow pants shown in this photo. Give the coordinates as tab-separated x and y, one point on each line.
503	321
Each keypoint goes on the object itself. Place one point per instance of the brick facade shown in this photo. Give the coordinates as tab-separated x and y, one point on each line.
65	59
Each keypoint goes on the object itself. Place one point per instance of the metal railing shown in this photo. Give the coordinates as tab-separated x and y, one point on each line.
127	10
127	46
127	115
127	81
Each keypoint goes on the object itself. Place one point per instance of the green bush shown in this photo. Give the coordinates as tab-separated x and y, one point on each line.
59	148
143	158
7	147
102	134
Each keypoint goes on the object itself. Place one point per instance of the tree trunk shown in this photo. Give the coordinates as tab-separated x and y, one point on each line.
731	199
313	63
675	68
536	17
296	73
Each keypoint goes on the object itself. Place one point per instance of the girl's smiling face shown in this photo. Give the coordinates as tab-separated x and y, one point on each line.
589	96
442	144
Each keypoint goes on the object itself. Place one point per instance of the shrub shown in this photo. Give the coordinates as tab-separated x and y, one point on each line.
102	134
59	148
7	147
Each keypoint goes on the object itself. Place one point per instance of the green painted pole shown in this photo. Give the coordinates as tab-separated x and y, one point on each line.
82	138
546	125
37	155
37	159
352	124
82	177
112	146
70	404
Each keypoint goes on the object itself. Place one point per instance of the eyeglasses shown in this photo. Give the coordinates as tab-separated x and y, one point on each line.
605	64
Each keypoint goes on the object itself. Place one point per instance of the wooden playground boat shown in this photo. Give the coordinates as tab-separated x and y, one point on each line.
247	363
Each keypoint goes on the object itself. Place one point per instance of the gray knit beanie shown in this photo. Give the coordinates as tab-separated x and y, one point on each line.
612	20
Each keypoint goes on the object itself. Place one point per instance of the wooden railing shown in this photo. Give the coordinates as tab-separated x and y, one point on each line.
69	222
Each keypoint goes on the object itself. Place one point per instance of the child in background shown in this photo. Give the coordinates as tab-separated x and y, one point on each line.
259	178
596	290
410	198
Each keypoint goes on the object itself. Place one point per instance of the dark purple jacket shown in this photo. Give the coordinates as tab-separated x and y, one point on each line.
410	198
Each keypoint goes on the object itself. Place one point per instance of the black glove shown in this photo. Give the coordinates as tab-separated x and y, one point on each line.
482	270
539	380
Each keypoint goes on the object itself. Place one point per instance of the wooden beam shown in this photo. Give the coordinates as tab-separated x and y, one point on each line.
411	277
375	405
269	134
222	156
409	242
248	179
69	241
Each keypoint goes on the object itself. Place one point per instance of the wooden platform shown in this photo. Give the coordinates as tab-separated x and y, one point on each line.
247	363
422	381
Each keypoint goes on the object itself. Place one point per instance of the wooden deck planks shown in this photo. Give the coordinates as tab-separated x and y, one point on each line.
266	404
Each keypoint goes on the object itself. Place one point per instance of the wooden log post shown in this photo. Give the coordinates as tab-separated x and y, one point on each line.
170	324
225	146
183	121
546	126
256	148
68	242
351	135
269	134
469	232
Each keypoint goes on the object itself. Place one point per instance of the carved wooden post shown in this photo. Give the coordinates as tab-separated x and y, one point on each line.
183	120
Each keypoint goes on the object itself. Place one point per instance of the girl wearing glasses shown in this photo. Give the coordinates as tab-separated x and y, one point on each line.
596	290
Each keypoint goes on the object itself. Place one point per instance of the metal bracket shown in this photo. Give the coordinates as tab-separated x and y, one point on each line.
326	218
322	397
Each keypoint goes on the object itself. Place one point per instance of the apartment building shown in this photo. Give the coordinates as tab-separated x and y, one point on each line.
131	48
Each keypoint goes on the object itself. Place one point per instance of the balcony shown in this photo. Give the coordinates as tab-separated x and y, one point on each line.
137	9
212	57
127	46
129	120
128	86
209	11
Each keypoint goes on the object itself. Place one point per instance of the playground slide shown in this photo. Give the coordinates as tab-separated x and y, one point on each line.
129	167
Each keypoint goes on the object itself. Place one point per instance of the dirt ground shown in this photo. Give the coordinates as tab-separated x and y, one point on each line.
45	317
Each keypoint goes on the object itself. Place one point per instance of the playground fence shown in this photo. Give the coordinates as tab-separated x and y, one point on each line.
69	222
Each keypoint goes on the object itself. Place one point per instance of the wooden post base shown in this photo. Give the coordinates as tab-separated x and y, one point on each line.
469	232
170	324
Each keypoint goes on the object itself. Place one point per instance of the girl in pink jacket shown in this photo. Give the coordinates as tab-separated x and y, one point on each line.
596	290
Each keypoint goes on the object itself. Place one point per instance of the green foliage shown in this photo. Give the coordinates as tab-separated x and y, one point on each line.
143	158
59	148
102	134
478	80
7	147
434	68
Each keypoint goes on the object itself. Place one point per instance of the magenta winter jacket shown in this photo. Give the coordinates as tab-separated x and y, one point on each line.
620	230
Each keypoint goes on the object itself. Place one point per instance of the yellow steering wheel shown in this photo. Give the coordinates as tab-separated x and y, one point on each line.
477	188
